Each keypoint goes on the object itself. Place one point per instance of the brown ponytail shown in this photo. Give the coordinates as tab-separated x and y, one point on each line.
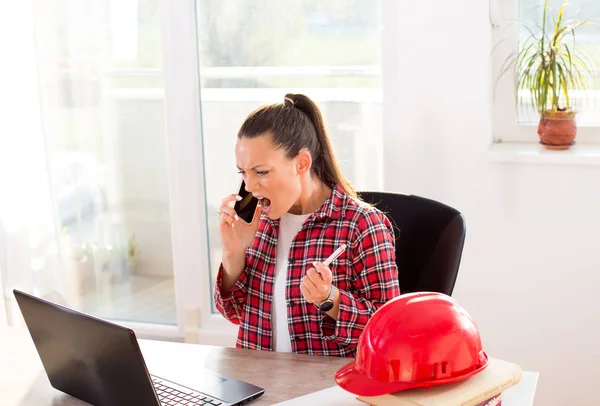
296	124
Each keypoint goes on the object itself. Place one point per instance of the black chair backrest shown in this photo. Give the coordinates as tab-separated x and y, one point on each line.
430	238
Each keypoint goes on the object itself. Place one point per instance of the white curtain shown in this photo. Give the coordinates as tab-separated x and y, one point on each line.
54	122
29	254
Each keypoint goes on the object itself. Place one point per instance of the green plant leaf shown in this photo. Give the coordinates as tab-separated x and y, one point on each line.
562	81
542	47
547	64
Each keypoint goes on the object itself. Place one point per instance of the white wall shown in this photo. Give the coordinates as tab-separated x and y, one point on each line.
529	274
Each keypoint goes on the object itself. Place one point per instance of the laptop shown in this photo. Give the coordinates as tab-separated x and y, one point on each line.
101	363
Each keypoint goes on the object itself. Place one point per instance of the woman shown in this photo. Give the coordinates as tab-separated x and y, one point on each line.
272	281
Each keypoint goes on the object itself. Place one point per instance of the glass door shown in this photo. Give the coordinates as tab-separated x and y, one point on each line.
254	52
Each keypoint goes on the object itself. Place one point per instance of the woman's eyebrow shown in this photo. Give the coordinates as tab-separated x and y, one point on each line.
253	168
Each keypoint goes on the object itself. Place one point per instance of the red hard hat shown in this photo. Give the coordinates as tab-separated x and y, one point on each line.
414	340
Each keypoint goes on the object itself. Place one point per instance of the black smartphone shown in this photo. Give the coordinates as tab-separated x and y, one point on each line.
246	207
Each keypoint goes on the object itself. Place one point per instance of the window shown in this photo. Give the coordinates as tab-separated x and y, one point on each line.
254	52
140	104
100	238
516	122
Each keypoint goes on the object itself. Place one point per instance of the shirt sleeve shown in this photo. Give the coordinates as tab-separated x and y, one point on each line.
374	261
231	306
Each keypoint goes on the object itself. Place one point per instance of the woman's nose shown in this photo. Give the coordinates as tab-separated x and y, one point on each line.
250	186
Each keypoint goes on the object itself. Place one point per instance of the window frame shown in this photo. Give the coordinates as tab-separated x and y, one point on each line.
187	194
503	14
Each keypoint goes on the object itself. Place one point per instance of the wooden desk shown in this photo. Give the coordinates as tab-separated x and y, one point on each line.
23	381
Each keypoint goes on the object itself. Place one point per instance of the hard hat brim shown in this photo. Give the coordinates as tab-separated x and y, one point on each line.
354	381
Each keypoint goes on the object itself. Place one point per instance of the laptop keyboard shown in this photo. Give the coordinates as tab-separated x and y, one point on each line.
171	394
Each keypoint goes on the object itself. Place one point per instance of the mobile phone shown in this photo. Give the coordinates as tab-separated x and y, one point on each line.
246	207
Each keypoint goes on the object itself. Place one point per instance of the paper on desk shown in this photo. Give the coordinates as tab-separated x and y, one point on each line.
326	397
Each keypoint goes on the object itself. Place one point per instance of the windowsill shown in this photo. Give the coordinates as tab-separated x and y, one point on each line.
535	153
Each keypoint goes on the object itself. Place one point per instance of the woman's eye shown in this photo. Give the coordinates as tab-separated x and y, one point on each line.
261	173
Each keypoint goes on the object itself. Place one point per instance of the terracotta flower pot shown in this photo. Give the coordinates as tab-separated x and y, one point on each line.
557	129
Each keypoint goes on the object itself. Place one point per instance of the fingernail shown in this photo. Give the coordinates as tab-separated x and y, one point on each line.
238	198
314	264
236	217
232	224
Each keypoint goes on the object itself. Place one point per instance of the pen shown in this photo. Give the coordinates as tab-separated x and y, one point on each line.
333	256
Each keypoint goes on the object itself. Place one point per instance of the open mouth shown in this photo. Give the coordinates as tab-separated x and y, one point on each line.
265	203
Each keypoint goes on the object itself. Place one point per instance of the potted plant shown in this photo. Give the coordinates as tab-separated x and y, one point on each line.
548	69
81	268
97	264
119	262
132	253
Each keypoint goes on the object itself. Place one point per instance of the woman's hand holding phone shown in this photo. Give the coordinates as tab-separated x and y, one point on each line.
236	236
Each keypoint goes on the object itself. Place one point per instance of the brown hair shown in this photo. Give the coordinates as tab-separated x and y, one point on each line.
295	124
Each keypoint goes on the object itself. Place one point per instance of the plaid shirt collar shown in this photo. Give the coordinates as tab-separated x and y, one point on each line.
332	208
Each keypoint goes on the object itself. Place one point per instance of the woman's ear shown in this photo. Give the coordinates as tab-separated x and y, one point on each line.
303	161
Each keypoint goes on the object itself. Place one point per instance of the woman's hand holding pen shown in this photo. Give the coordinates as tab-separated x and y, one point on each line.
316	284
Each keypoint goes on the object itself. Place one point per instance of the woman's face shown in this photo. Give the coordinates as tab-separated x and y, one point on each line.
269	175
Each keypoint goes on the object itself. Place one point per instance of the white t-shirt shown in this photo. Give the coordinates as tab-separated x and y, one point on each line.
289	225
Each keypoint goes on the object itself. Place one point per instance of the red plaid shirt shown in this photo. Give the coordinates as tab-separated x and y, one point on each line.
365	274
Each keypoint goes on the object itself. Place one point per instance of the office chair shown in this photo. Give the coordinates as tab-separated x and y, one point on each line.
429	240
